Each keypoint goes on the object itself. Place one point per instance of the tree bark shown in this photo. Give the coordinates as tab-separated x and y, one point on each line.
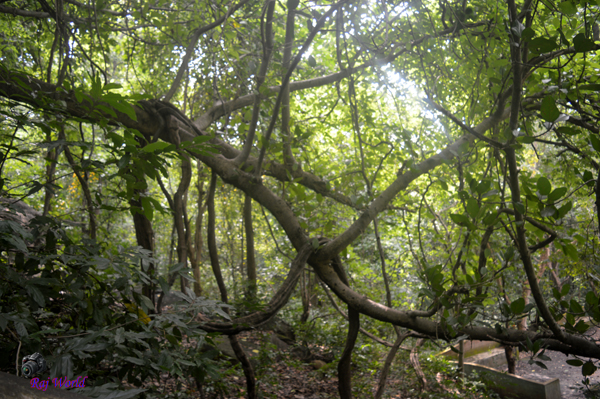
250	259
388	363
214	261
414	361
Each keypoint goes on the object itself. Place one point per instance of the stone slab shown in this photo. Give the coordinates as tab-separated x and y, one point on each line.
471	348
13	387
514	386
495	358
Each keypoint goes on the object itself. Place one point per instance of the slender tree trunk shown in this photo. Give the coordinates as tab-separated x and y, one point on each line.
179	213
250	259
510	359
195	247
51	157
216	267
144	234
89	204
304	287
414	360
388	363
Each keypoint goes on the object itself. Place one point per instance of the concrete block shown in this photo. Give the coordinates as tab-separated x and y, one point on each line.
471	348
14	387
513	386
495	358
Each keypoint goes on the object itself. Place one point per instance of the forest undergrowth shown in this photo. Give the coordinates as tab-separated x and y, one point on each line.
281	375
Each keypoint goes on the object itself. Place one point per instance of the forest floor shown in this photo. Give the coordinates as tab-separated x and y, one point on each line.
281	375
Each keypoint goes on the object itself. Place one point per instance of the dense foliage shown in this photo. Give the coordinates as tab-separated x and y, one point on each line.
433	163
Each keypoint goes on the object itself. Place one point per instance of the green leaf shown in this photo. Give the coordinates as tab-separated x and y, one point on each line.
565	290
548	211
472	207
36	294
544	186
125	108
148	208
541	45
517	306
582	43
134	360
595	142
542	365
557	193
575	362
548	110
568	130
588	369
570	250
591	298
590	86
527	34
156	146
581	326
567	8
490	219
575	307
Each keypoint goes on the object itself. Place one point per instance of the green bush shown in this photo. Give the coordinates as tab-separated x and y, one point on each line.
75	304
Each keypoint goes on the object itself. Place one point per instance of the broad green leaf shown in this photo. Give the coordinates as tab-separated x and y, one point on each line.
567	7
472	207
517	306
570	251
527	34
581	326
548	211
595	142
134	360
541	45
575	362
544	186
590	86
156	146
548	109
575	307
591	298
557	193
582	43
148	208
566	288
36	294
588	369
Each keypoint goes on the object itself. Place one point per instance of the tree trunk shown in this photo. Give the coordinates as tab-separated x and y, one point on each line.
510	359
414	360
51	158
144	234
388	363
216	267
250	259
